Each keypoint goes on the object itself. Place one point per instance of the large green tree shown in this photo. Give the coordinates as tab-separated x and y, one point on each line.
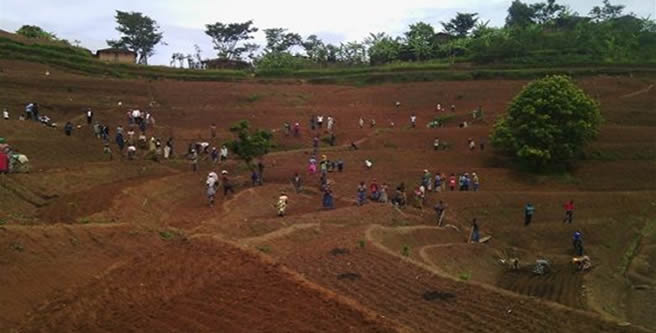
279	40
548	123
607	12
547	12
460	25
250	144
382	48
226	38
315	49
139	34
420	40
520	14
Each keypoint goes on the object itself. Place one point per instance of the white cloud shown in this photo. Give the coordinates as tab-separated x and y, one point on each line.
183	22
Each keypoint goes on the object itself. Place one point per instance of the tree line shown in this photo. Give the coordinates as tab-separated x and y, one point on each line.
544	33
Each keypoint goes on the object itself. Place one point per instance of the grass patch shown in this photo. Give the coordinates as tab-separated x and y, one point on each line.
465	276
362	243
405	251
632	250
602	155
84	220
17	246
389	145
264	248
440	121
3	221
568	178
171	235
253	98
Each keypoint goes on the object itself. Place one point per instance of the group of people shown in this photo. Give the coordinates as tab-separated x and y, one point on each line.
213	182
324	166
529	211
375	192
316	123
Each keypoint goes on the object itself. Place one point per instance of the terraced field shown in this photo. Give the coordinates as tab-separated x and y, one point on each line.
91	245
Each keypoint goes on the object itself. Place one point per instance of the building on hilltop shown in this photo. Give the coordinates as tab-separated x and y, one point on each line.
225	64
117	55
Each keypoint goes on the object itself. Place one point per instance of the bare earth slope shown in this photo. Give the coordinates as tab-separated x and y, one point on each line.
92	245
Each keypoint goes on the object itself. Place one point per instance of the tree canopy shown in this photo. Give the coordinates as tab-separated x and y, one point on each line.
607	12
382	48
226	38
279	40
420	39
461	25
139	34
33	31
547	123
250	144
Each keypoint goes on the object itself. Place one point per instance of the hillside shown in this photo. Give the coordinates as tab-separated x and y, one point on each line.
79	60
133	244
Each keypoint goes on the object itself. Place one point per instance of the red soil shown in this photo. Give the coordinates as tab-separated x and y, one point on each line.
83	239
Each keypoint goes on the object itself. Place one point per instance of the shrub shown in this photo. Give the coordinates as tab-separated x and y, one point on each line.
405	251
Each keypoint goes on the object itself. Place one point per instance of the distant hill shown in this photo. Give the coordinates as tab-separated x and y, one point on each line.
80	60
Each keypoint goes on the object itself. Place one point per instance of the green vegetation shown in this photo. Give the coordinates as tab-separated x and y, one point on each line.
171	235
264	248
80	60
362	243
253	98
250	144
33	31
405	251
547	124
226	39
538	39
139	34
544	33
166	235
629	254
465	276
439	121
17	246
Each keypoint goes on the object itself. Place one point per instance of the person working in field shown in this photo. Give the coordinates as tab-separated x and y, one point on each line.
362	194
297	182
327	200
225	182
193	158
281	205
224	153
475	236
212	184
89	115
440	209
529	210
569	212
132	152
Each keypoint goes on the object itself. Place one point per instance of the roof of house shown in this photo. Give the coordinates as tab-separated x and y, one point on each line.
115	50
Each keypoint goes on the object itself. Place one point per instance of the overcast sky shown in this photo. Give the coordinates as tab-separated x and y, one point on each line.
92	22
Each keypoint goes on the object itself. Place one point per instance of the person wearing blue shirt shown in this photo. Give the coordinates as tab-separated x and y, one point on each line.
528	213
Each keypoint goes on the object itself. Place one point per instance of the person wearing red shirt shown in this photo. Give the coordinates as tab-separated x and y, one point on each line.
452	182
569	212
4	163
373	188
